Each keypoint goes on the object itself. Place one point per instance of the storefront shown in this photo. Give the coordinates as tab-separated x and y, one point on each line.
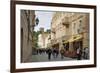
75	42
66	45
71	45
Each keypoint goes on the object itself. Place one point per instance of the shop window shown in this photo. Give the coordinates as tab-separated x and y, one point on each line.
78	31
74	26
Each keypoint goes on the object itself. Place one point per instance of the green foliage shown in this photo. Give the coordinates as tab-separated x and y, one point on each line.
35	38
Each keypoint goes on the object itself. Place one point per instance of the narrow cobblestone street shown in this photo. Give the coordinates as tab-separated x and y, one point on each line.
44	57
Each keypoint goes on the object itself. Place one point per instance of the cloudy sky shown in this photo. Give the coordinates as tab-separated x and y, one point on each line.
45	18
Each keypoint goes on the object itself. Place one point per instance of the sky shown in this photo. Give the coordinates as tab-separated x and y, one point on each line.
45	18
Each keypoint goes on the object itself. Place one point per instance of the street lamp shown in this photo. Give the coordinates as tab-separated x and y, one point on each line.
35	24
37	21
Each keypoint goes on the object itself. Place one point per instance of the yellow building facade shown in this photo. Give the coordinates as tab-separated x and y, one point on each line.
70	29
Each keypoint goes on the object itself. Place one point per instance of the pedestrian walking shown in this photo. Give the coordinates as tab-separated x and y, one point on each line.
79	53
54	53
57	52
49	54
62	51
86	53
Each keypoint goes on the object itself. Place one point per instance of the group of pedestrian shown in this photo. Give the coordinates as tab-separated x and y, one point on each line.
82	53
54	52
41	51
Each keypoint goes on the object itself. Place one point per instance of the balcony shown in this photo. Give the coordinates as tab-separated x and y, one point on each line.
53	30
66	22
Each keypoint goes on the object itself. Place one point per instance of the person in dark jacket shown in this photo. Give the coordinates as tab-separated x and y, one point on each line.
49	51
54	53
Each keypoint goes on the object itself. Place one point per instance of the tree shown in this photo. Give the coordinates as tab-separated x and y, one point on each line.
35	38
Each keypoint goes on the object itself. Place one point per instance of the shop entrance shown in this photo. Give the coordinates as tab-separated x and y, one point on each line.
66	46
77	44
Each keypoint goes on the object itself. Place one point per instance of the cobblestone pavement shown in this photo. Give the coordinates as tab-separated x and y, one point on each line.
44	57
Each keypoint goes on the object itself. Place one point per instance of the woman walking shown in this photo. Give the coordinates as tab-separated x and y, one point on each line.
62	51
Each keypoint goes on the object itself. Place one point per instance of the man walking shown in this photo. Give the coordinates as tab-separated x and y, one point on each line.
49	53
62	51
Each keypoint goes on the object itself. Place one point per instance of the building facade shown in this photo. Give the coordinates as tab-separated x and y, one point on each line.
70	30
43	39
59	31
27	25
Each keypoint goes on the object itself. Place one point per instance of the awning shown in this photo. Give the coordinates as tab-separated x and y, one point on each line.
73	38
66	41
